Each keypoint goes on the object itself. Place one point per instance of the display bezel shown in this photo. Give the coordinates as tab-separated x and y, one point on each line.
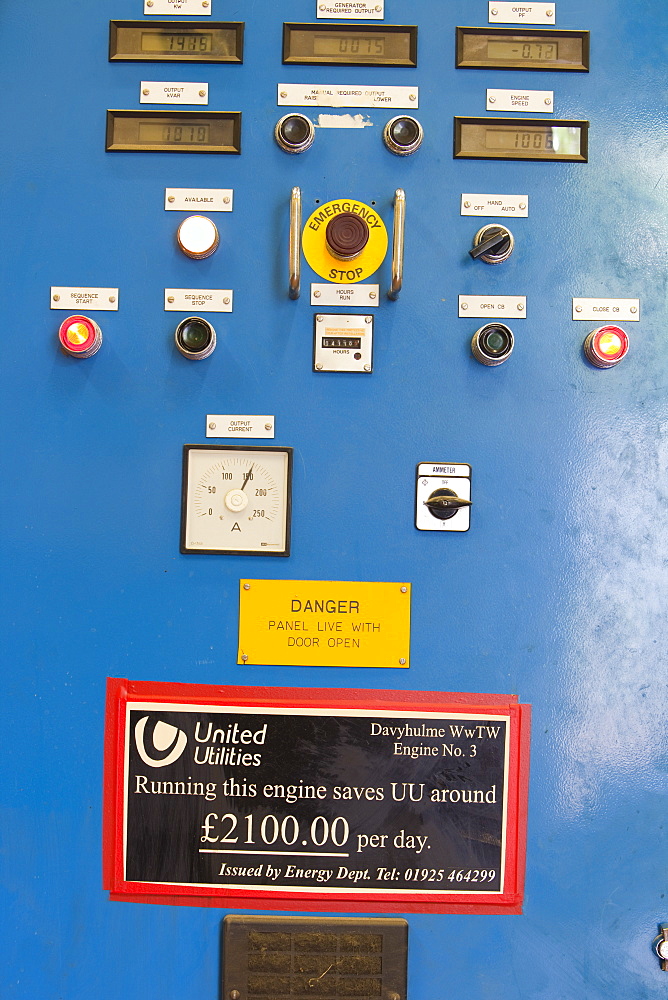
521	33
289	56
116	54
171	118
524	154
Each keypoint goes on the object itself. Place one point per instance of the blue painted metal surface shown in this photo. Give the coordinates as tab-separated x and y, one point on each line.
558	591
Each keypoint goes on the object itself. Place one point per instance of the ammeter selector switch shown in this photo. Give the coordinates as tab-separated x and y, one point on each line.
443	497
198	237
492	244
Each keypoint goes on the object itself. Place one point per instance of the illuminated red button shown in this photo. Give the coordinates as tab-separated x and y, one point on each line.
606	346
80	336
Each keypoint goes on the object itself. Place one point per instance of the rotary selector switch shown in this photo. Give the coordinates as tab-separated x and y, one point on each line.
492	244
443	497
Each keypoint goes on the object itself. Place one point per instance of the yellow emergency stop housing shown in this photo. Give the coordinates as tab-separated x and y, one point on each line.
336	269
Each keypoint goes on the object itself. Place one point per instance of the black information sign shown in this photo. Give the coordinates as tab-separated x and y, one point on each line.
328	800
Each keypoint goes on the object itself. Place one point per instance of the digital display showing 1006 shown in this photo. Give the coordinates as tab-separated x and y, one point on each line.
521	139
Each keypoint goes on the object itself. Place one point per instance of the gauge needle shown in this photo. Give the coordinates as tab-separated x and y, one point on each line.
248	475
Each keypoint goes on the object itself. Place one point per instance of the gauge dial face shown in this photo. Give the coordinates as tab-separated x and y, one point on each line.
236	500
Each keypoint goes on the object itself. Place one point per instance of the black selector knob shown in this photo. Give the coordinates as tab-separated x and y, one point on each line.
346	235
493	244
444	503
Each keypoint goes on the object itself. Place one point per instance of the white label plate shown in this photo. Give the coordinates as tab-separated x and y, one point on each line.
352	95
231	425
496	306
165	92
345	295
76	299
607	310
194	300
199	7
522	13
338	357
199	199
536	101
495	204
432	477
351	10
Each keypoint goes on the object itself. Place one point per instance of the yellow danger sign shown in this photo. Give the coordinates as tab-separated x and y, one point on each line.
324	623
324	263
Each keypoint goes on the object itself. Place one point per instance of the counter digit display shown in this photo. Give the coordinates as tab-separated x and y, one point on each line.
520	139
169	41
174	131
522	48
350	45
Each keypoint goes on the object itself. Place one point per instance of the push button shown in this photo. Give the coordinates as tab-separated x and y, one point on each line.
403	135
294	133
195	338
492	244
346	236
198	237
492	344
606	346
80	337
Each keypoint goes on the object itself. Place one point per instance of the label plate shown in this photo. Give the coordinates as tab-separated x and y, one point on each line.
521	13
345	295
230	425
477	306
199	200
178	7
363	800
343	343
431	477
164	92
606	310
540	101
194	300
77	299
352	95
351	10
324	623
490	205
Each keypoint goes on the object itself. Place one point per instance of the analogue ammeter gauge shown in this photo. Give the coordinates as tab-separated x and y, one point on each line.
236	500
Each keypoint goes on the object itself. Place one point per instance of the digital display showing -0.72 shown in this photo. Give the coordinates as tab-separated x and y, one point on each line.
522	48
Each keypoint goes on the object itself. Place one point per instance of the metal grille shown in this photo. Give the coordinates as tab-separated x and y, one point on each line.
271	958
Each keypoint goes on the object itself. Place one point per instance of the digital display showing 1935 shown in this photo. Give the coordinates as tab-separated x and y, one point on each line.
350	44
520	139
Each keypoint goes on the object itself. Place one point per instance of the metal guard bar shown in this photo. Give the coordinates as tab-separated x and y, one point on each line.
295	235
398	243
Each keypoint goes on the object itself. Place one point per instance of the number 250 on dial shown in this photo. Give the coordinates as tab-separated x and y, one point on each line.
236	500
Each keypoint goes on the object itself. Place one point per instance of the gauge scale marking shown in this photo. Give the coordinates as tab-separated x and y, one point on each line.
236	500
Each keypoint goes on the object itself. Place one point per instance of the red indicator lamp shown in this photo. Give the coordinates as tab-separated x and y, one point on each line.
80	337
606	346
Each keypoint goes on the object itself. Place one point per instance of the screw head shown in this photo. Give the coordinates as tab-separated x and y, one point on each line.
318	368
171	199
549	13
634	309
170	298
318	319
378	9
202	93
244	656
149	3
56	298
548	101
404	590
578	309
112	298
267	427
205	3
523	205
284	93
492	100
367	368
235	995
412	97
372	295
226	300
402	660
494	11
467	204
368	319
520	307
226	199
246	586
316	294
464	306
146	91
322	7
212	426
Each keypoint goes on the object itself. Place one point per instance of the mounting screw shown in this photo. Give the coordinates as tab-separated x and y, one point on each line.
149	3
378	9
316	294
520	307
318	368
246	586
171	199
549	13
467	204
56	298
523	205
235	995
284	93
368	319
464	306
393	996
634	309
146	91
491	100
318	319
372	295
202	93
170	298
578	309
226	300
494	11
404	590
402	660
205	3
226	199
322	7
212	426
112	298
412	97
267	427
367	368
548	101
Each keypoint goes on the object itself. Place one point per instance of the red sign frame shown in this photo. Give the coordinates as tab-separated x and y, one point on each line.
122	693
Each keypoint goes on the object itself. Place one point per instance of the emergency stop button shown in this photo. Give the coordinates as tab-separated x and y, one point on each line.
346	236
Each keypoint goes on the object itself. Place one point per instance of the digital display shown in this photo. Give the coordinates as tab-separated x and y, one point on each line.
521	139
530	51
175	131
156	41
350	45
522	48
154	132
347	343
171	41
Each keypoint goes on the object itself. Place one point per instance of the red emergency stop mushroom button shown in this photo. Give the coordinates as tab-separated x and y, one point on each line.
606	346
346	236
80	336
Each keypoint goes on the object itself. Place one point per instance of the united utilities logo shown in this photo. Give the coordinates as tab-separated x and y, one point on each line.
167	740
